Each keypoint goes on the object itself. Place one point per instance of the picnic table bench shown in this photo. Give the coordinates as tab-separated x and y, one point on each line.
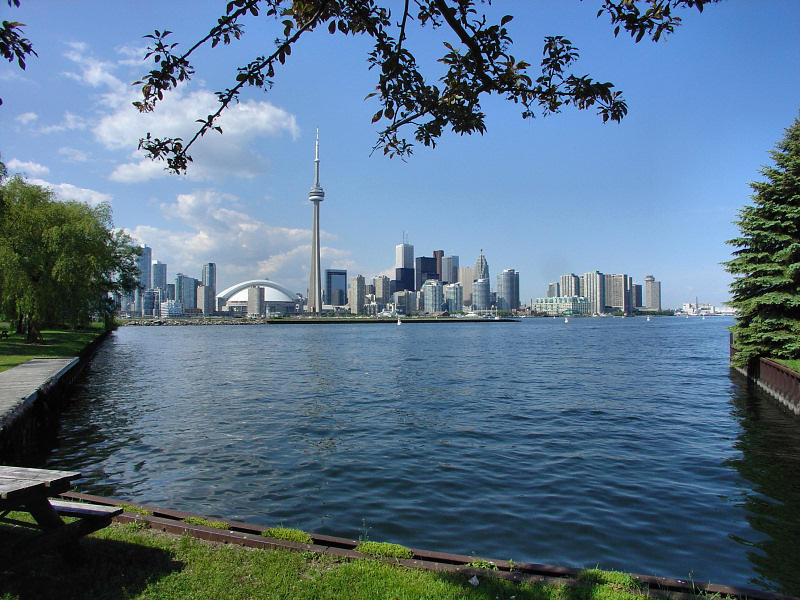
33	491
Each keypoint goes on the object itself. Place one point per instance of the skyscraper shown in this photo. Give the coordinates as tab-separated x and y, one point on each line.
158	276
315	195
143	262
465	278
356	295
209	277
424	269
454	297
618	291
336	287
383	289
404	267
480	294
449	269
652	293
553	289
508	290
432	294
569	285
481	270
438	255
593	287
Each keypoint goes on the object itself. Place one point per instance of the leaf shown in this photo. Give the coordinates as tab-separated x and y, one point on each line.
377	116
332	27
505	19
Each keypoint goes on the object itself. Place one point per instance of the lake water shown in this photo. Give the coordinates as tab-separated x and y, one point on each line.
617	443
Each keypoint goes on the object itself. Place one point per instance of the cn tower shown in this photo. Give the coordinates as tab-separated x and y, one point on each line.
316	195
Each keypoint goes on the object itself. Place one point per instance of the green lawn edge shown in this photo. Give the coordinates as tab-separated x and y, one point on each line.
58	343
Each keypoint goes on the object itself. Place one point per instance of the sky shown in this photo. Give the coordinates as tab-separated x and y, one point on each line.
656	194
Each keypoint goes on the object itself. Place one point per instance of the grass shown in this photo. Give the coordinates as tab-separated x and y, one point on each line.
285	533
130	562
57	343
793	363
205	522
384	549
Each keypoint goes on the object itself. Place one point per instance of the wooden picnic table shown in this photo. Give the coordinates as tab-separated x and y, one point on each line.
33	491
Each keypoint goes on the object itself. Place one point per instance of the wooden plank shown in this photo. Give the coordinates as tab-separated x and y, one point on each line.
82	509
45	475
13	489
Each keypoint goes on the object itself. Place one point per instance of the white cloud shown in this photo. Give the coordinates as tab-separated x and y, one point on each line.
215	156
210	227
96	73
67	192
73	154
70	122
27	117
27	168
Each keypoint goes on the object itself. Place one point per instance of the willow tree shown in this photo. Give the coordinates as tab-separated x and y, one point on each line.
476	62
59	261
766	263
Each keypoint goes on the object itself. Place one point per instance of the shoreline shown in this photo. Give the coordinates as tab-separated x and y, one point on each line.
306	321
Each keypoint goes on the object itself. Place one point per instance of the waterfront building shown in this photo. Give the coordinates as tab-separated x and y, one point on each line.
383	289
480	294
454	297
336	287
158	275
433	298
277	298
143	262
186	291
255	301
618	292
508	290
356	295
424	269
569	285
553	289
171	309
449	269
315	195
652	293
404	301
481	269
465	279
209	276
593	289
636	295
561	306
149	299
206	299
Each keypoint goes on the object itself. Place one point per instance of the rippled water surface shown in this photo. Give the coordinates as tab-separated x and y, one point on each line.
610	442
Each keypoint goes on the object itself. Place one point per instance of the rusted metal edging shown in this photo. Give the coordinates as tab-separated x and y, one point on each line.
250	535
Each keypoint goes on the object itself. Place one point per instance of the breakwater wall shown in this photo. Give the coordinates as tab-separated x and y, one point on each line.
774	379
31	397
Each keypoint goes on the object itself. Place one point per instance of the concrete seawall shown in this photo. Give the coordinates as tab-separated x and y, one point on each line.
31	397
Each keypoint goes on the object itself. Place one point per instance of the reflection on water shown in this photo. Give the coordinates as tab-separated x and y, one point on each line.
610	442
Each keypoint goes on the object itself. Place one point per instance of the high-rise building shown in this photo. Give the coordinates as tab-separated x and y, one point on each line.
652	293
593	288
144	263
569	285
432	296
424	269
636	295
449	269
336	287
480	294
209	277
404	256
158	276
186	290
553	289
481	269
383	289
465	278
618	292
255	301
404	279
438	255
206	299
454	297
508	290
315	195
356	295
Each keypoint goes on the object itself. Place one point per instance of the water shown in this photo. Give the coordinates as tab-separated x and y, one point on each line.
610	442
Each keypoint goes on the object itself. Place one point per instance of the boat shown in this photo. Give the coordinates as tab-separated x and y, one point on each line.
566	320
648	318
399	321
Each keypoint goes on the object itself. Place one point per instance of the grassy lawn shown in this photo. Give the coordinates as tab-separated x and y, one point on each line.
57	343
793	364
126	561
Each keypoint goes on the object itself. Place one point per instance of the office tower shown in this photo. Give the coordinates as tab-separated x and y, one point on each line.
149	302
593	287
403	301
383	289
438	255
569	285
315	195
465	279
186	290
636	295
652	293
449	269
144	262
481	270
424	269
432	296
553	289
255	301
170	291
508	290
209	277
618	295
336	287
206	299
356	295
158	275
454	297
480	294
404	256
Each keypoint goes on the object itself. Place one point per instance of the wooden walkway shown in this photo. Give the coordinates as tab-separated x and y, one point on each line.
22	383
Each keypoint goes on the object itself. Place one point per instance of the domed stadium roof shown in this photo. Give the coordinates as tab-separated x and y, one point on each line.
273	292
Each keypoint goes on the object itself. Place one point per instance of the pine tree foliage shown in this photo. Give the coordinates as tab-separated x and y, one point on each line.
766	261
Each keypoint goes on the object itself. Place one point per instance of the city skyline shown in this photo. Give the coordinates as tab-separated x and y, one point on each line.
657	193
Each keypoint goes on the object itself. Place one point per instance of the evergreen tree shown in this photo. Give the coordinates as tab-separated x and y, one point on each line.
766	291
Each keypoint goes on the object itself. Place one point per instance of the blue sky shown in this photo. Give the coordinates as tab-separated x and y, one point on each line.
656	194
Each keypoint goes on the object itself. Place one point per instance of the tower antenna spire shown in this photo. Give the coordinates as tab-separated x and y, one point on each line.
316	161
